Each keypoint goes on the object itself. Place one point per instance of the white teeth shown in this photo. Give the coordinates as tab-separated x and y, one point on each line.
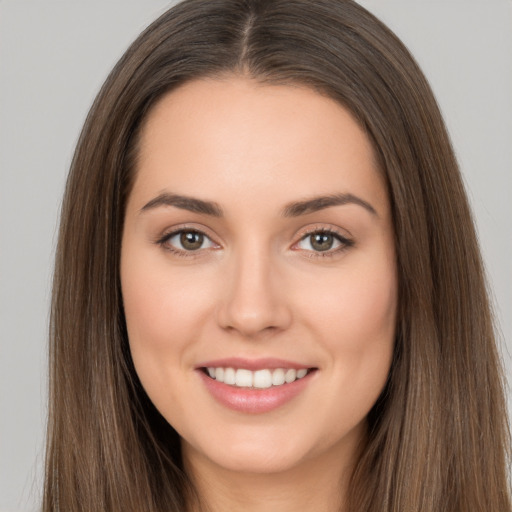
301	373
278	377
260	379
290	375
243	378
219	374
229	376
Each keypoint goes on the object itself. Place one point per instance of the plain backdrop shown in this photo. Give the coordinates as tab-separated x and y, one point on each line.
54	55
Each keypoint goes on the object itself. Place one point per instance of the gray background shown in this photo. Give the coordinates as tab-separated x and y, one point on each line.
54	55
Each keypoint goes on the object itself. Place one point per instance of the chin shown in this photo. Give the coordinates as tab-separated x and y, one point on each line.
260	463
270	454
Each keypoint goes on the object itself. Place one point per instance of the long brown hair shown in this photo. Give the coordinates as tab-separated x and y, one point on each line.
438	435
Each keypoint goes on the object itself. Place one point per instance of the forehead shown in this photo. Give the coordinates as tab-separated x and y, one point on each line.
236	136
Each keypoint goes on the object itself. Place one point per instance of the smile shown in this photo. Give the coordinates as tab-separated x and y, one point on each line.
255	386
259	379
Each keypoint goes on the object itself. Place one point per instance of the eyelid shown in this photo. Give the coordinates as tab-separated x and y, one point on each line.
346	242
178	234
176	230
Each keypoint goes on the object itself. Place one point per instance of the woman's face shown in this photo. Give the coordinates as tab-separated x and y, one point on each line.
258	247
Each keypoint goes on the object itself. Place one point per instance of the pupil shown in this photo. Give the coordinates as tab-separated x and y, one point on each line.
322	241
191	240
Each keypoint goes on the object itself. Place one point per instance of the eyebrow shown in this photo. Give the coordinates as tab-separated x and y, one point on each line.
185	203
315	204
294	209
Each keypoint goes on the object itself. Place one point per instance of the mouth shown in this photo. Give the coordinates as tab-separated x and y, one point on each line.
260	379
255	386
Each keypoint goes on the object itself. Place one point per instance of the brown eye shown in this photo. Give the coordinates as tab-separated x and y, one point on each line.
191	240
322	241
187	240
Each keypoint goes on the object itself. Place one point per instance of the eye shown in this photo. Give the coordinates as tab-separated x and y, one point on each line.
187	240
323	241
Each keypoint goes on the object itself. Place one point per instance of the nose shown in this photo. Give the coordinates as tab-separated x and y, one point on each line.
254	300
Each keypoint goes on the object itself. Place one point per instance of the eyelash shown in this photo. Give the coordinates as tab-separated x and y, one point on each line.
181	253
345	243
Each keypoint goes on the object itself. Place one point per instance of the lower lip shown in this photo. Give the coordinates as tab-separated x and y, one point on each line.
254	401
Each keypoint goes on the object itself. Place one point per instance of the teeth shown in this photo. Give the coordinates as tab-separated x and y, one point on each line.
260	379
243	378
219	374
290	376
278	377
229	376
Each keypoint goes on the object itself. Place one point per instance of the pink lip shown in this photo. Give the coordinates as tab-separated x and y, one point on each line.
254	401
252	364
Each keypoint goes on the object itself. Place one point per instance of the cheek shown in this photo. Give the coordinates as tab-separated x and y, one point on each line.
356	325
359	305
160	303
355	318
162	308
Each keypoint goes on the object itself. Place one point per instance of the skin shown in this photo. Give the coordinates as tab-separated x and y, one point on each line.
258	288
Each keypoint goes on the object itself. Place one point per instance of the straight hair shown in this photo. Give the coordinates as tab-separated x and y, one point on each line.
438	438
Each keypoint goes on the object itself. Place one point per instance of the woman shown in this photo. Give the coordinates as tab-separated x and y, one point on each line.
268	292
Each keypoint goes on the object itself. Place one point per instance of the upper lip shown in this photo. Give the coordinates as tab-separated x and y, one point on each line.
270	363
